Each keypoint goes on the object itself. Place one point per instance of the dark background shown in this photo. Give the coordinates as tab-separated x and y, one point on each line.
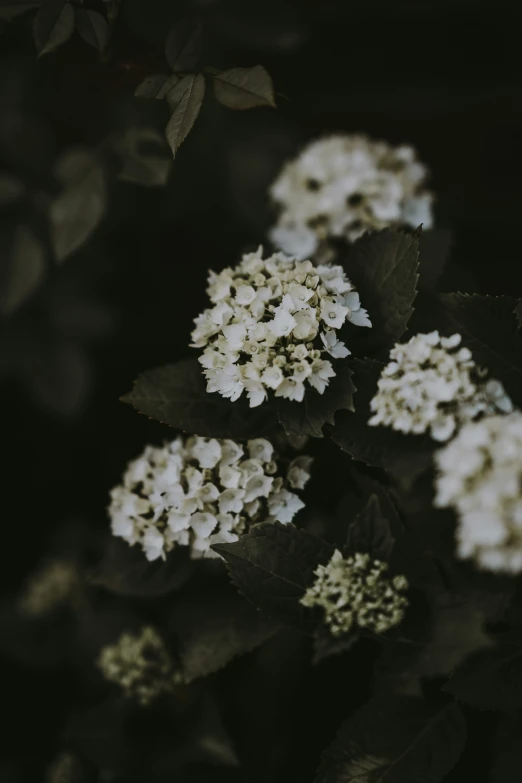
444	77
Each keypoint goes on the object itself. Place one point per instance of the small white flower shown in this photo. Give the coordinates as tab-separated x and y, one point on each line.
235	335
283	322
336	348
291	389
333	314
153	544
322	371
207	451
284	505
272	377
261	449
231	501
299	472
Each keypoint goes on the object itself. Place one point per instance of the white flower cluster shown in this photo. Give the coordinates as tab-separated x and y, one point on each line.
271	322
342	186
140	665
54	584
480	476
197	492
354	591
430	386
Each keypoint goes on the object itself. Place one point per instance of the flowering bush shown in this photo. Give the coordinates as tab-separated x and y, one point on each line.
480	476
429	386
271	324
342	186
197	492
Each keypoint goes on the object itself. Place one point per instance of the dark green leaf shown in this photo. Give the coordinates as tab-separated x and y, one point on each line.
456	631
489	328
25	269
144	157
92	27
518	313
383	266
81	205
395	740
183	45
53	25
370	532
407	456
273	565
507	763
434	251
59	377
191	91
316	410
11	8
126	571
156	86
244	88
490	679
208	631
176	395
326	645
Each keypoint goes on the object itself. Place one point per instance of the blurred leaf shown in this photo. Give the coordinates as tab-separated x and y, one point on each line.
394	740
490	679
144	157
489	329
156	86
183	45
273	565
78	210
213	627
53	25
26	269
370	532
126	571
176	395
10	8
188	94
316	410
11	189
407	456
60	378
212	743
383	266
92	27
244	88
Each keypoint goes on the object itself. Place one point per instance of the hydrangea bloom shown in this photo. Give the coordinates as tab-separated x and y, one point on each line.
197	492
432	385
342	186
140	665
354	592
480	476
271	324
51	586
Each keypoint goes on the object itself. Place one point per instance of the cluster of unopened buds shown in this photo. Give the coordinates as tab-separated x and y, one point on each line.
196	492
272	322
431	385
354	592
140	664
